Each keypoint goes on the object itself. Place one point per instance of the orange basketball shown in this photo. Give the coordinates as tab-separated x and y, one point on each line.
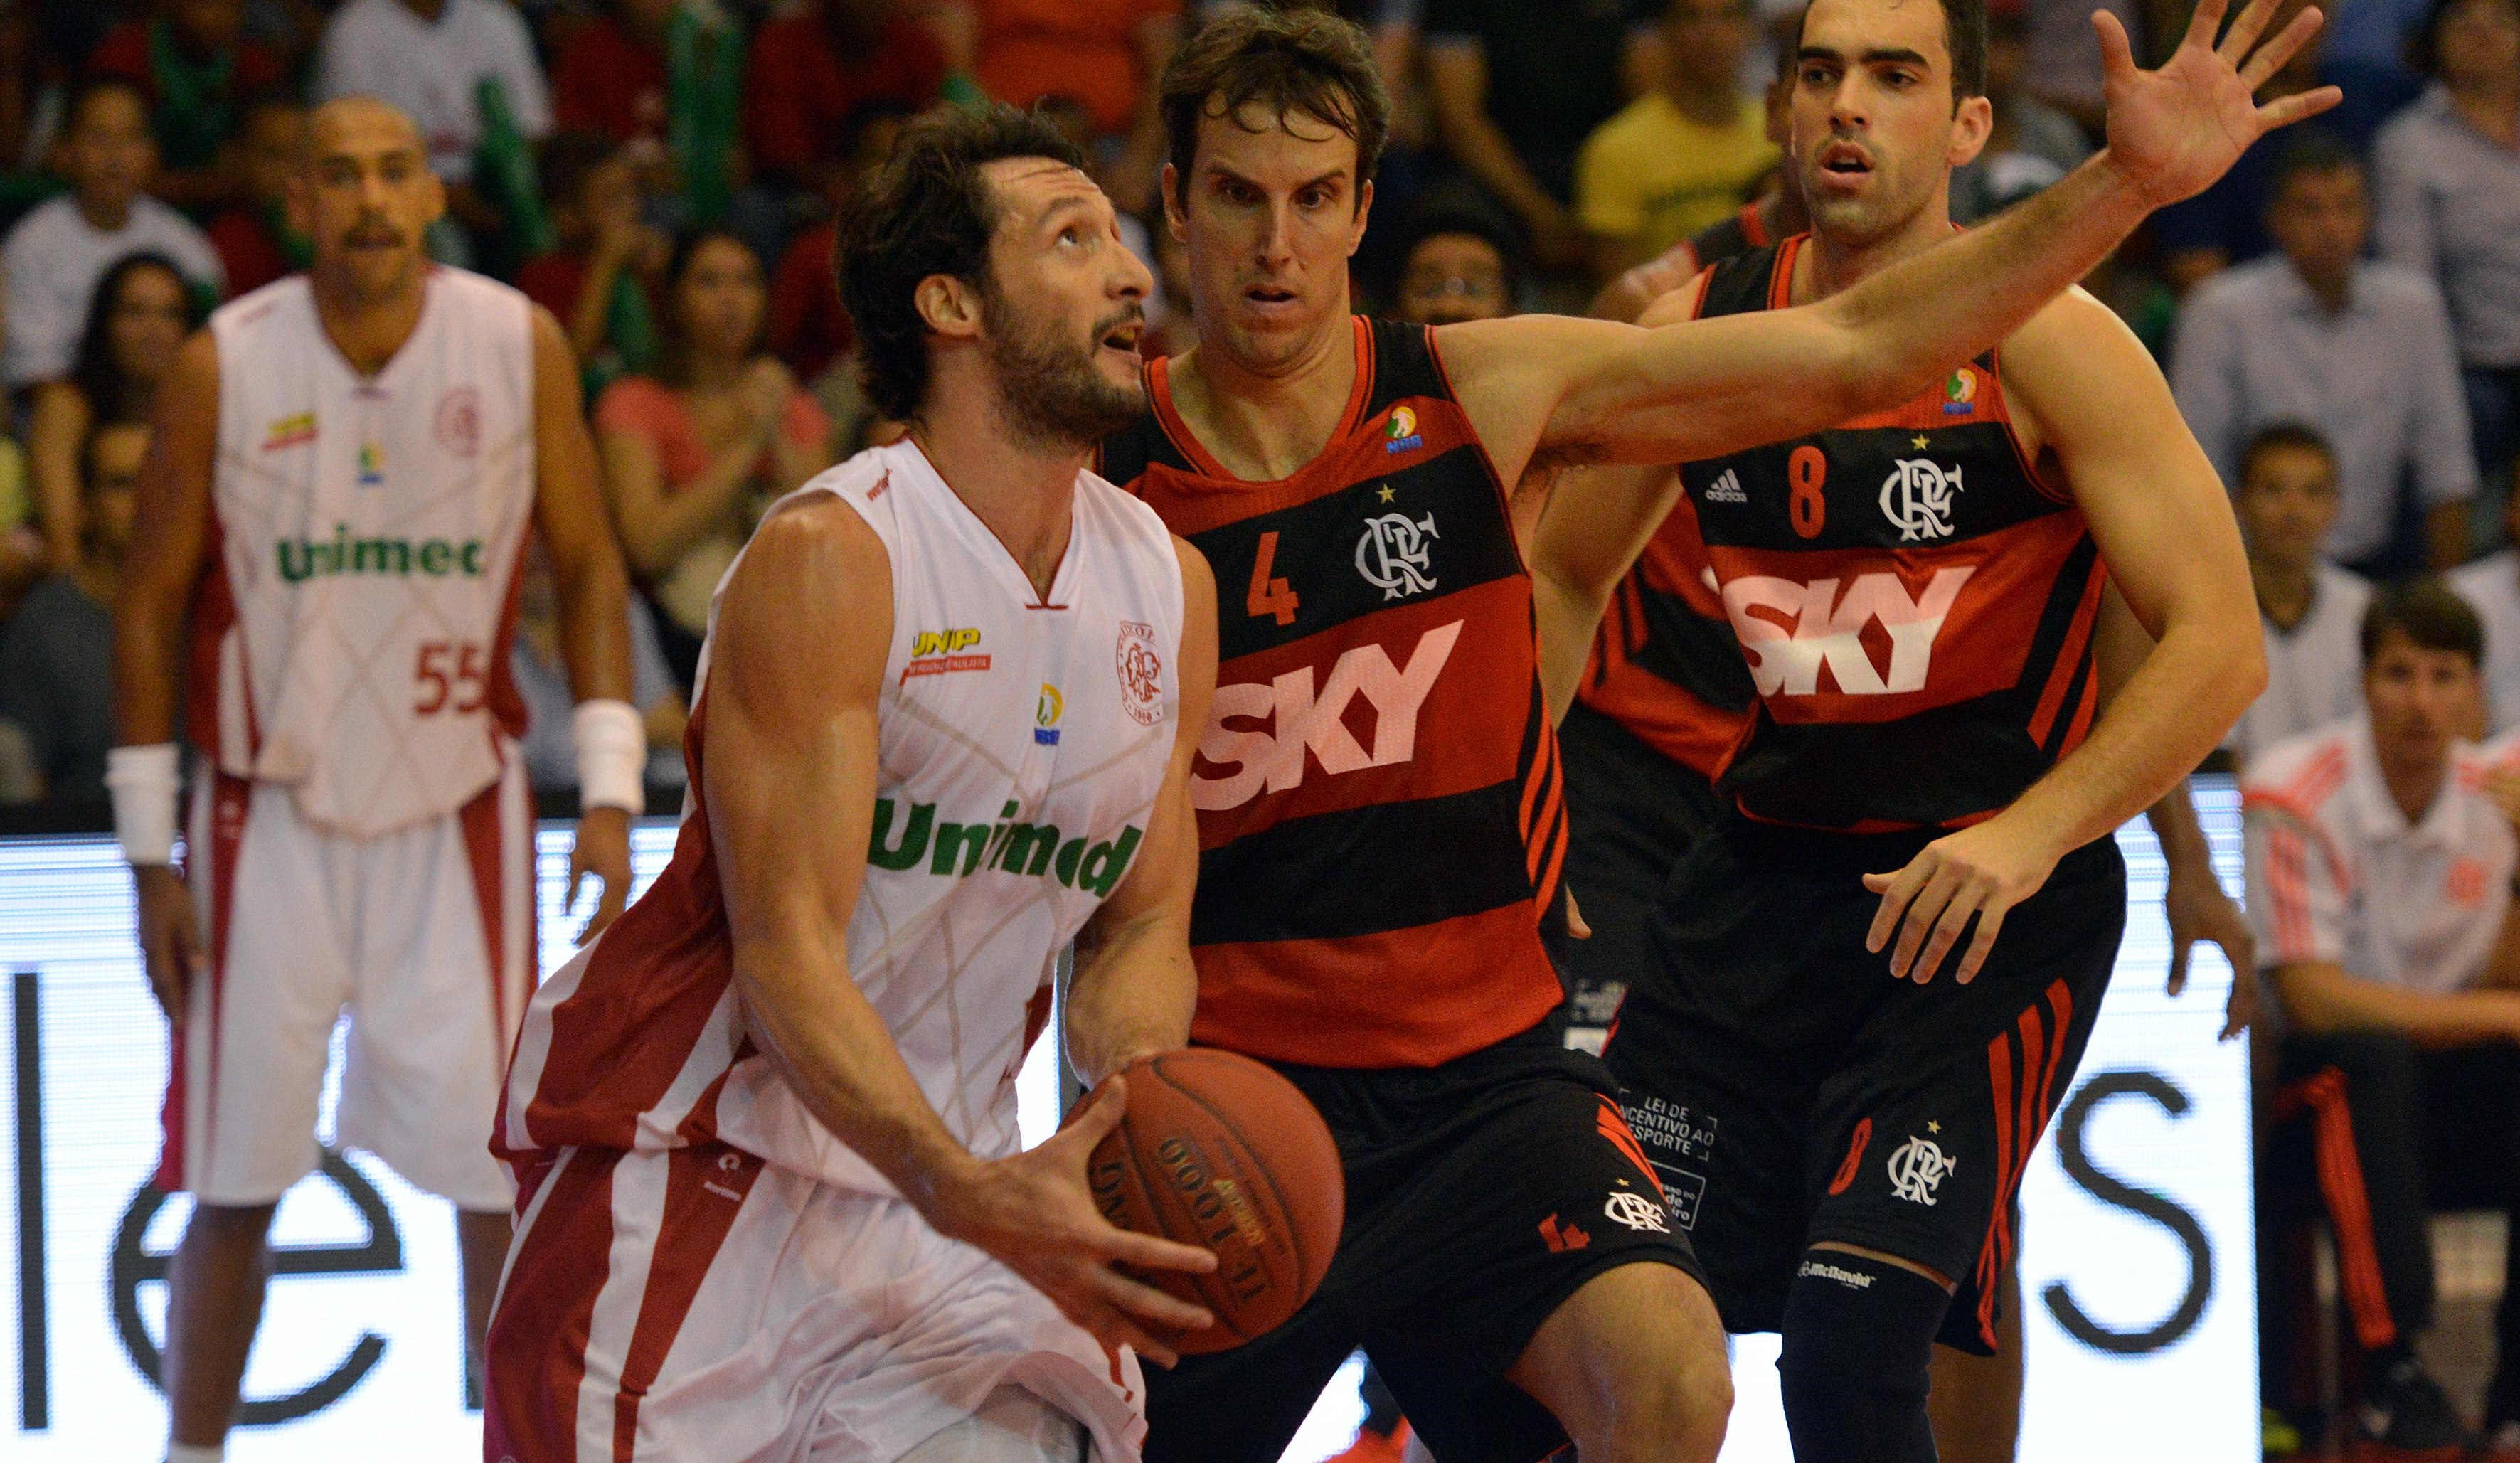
1219	1151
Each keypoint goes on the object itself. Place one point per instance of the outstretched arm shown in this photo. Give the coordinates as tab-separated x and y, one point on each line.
1134	986
790	785
1567	390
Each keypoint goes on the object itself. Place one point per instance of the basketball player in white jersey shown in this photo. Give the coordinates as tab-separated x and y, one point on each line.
764	1131
347	463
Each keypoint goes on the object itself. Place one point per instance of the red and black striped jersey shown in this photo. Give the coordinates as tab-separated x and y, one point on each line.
1380	811
1914	602
1664	662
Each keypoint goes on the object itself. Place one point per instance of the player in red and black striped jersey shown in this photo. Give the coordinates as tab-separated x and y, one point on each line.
1917	592
1380	808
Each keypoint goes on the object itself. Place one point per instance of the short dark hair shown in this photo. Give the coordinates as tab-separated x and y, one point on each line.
88	88
1963	35
2281	436
2430	614
1283	61
2423	44
1459	215
568	160
2315	151
926	211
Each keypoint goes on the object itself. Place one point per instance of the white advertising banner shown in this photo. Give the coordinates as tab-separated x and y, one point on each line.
2136	1258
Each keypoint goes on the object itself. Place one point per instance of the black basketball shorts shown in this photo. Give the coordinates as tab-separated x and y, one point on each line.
1790	1091
1481	1194
1631	812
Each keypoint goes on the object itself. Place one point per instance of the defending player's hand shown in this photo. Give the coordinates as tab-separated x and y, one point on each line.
602	848
2174	130
1034	1212
2199	909
1982	871
170	937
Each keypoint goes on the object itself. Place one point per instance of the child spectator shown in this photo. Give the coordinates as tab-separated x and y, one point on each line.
809	71
2311	609
194	69
52	259
462	70
598	282
57	657
136	322
254	237
2360	350
1687	153
2449	181
693	453
2379	873
667	77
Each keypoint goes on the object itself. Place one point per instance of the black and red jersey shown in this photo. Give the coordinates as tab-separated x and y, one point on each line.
1914	603
1664	663
1380	811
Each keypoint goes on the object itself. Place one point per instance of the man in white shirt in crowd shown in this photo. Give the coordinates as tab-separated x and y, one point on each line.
429	59
2315	332
2380	867
2490	586
54	257
2311	609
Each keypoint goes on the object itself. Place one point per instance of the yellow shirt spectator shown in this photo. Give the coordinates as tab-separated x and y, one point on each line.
1652	176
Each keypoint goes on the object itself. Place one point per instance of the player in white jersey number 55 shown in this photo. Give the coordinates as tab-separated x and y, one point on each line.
348	464
771	1202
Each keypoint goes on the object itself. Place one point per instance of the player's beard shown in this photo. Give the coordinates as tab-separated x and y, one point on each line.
1052	391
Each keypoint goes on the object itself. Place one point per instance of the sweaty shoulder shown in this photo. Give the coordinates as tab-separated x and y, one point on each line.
2073	363
815	568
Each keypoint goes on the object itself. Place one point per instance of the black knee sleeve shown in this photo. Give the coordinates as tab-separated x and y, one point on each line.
1859	1334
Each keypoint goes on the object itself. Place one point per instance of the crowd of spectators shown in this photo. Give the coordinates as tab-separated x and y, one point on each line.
2340	316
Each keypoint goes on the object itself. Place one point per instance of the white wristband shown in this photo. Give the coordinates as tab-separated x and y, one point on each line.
143	782
612	756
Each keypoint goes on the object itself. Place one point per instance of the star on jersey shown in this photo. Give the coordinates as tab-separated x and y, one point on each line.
1385	492
1919	440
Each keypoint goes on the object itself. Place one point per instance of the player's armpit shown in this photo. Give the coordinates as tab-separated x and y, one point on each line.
1135	986
788	783
1596	523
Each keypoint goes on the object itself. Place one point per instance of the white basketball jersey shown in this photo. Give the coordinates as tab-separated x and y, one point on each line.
355	626
1022	742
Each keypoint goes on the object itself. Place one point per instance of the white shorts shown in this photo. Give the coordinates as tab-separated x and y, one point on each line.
697	1306
424	936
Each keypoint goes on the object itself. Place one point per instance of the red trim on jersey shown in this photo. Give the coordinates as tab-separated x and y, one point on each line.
1754	229
2069	659
213	614
1612	1124
1484	978
1668	717
2341	1183
1191	505
706	1187
507	703
231	798
2021	1115
484	854
538	1336
1781	281
1159	394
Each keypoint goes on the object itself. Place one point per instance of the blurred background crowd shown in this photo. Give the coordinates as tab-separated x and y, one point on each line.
2339	317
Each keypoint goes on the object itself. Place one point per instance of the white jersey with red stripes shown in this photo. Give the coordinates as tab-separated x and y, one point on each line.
2339	875
351	638
1022	742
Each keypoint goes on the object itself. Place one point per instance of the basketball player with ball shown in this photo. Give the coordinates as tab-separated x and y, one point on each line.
347	463
770	1199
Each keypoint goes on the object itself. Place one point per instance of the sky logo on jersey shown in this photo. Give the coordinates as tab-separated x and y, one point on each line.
1046	714
1403	431
937	652
1305	722
293	430
1819	628
956	850
372	465
301	559
1959	393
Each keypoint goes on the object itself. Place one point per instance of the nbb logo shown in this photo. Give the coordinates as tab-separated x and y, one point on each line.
1791	629
1302	718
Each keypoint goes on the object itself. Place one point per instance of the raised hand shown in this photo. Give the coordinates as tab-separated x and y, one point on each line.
2174	130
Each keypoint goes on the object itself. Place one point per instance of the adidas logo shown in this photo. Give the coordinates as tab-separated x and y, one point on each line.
1727	489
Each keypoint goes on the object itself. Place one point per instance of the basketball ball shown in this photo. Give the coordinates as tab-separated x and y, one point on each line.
1219	1151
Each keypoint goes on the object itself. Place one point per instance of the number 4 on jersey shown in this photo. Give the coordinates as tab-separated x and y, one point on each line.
1269	597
